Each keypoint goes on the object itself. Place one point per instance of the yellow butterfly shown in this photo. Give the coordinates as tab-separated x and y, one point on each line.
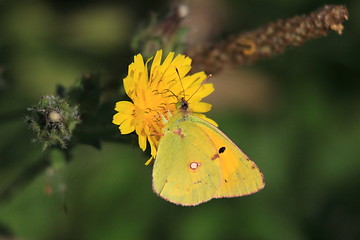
196	162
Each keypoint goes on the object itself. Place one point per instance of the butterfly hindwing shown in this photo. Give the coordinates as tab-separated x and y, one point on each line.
182	171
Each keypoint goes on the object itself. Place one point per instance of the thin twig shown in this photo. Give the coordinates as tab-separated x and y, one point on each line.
269	40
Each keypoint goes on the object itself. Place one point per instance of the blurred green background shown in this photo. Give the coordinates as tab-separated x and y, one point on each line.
296	115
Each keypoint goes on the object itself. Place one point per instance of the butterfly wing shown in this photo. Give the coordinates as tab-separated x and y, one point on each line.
197	162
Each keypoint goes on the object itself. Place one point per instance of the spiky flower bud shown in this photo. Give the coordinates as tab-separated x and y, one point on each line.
53	121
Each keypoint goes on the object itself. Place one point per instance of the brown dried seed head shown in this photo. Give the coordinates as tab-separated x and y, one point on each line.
268	40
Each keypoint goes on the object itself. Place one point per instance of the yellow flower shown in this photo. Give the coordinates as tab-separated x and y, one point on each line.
155	96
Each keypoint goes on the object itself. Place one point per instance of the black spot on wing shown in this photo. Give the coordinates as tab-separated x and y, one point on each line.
222	149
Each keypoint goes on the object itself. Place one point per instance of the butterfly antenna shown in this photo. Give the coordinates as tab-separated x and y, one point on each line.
173	94
207	78
182	86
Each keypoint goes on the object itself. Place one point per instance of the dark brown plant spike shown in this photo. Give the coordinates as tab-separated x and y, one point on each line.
269	40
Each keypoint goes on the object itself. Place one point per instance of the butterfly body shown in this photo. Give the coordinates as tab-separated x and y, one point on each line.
196	162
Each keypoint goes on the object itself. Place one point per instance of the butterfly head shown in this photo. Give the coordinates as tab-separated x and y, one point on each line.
183	104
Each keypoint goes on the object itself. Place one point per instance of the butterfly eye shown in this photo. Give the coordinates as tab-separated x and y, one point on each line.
222	149
194	165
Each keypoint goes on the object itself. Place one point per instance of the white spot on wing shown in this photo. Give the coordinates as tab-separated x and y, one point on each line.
194	165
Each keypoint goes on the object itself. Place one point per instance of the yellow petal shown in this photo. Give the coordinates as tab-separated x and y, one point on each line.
150	160
182	64
156	62
181	59
200	107
146	67
183	70
126	127
204	91
194	80
153	146
139	63
119	118
168	60
124	107
125	111
129	85
142	142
